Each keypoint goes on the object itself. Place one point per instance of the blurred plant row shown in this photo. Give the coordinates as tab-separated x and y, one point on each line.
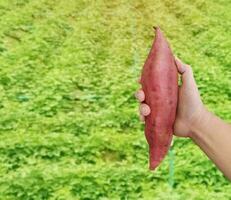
69	126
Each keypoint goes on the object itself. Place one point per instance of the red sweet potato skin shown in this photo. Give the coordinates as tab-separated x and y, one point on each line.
159	82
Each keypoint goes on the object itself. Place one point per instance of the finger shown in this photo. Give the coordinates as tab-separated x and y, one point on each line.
140	95
142	118
180	66
144	109
186	72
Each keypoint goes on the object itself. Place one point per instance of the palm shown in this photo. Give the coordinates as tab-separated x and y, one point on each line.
188	110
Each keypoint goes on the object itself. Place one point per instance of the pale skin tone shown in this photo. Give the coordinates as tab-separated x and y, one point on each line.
194	121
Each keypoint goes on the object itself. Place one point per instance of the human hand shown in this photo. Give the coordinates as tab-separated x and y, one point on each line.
190	107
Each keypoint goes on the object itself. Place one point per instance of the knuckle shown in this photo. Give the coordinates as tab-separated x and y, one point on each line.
189	68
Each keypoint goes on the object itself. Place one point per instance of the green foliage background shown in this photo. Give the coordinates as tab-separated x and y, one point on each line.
69	127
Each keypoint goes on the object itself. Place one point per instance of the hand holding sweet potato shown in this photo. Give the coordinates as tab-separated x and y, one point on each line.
159	125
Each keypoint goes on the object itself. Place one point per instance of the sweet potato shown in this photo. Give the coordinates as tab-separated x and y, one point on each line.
159	82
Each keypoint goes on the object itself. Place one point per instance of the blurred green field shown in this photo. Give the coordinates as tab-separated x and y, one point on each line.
69	127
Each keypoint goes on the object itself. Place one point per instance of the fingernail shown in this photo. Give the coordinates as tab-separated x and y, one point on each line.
144	109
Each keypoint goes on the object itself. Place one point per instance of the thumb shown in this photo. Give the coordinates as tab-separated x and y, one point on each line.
186	73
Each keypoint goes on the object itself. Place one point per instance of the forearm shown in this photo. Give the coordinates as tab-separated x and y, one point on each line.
213	136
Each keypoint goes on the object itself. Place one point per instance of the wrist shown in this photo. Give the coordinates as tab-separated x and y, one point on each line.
200	123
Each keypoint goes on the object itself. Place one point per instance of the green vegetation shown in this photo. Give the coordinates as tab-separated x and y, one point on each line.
69	126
